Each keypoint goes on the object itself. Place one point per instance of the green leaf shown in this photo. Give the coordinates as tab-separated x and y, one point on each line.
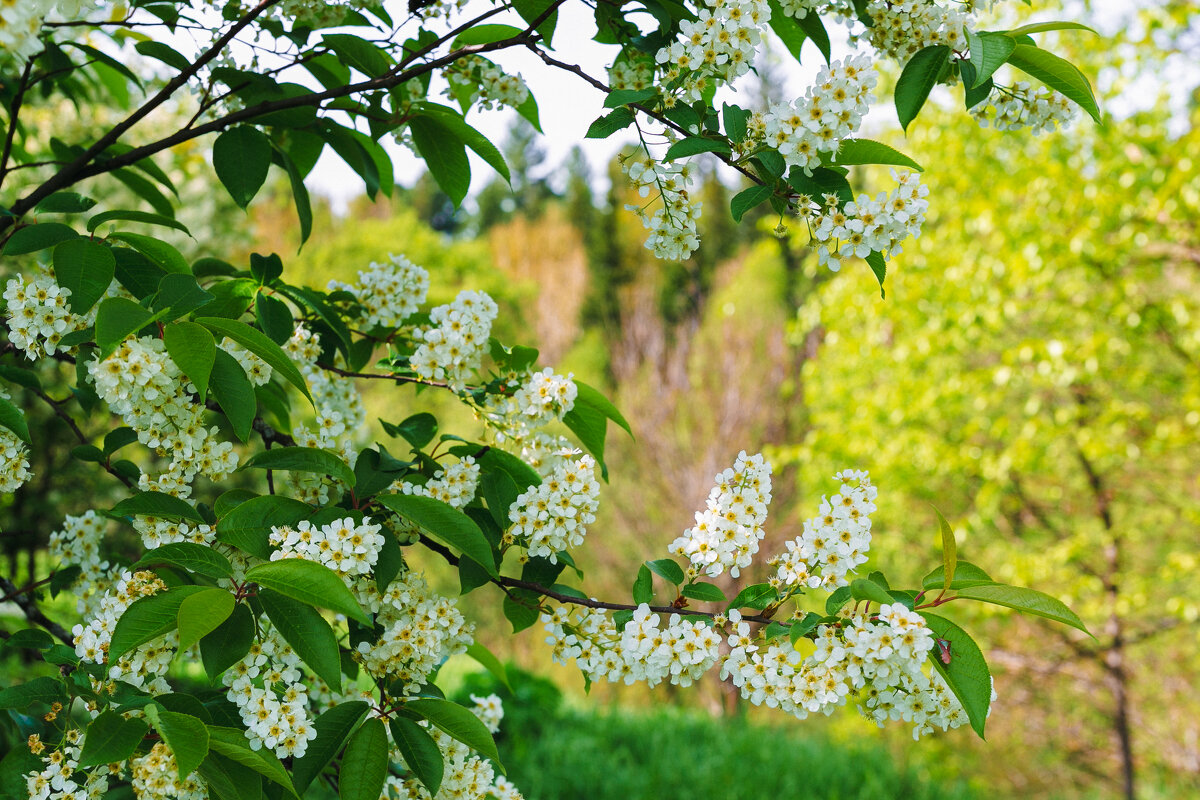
187	737
458	723
308	582
607	125
643	586
333	728
86	268
148	618
747	199
360	54
194	351
1027	601
157	504
110	738
419	751
445	523
228	643
198	558
33	238
734	118
949	551
302	459
164	53
801	627
472	138
625	97
485	34
145	190
117	318
837	599
787	29
445	155
1040	27
158	251
178	295
967	674
530	10
13	419
365	762
274	317
866	151
299	194
489	661
917	81
303	627
878	265
28	639
704	592
693	145
202	613
988	52
965	574
667	569
227	779
521	609
1058	74
248	525
234	393
261	345
815	29
418	430
529	110
866	589
588	420
759	596
65	203
231	743
39	690
143	217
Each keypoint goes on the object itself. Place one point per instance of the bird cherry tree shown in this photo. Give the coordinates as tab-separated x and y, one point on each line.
279	544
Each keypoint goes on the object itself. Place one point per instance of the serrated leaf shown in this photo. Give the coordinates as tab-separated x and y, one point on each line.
159	252
202	613
489	662
148	618
704	592
248	525
444	523
643	586
333	728
917	81
949	551
967	674
445	155
308	582
127	215
420	752
86	268
13	419
988	52
187	737
228	643
365	762
32	238
194	351
302	459
198	558
261	345
610	123
801	627
307	632
867	151
1041	27
694	145
667	569
1058	74
39	690
757	596
472	138
747	199
117	318
1027	601
111	738
234	393
814	28
865	589
458	723
965	574
157	504
418	430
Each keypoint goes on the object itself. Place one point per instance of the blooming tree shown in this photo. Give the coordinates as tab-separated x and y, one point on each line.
297	590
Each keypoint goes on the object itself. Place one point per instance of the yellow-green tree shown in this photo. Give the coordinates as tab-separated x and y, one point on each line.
1033	373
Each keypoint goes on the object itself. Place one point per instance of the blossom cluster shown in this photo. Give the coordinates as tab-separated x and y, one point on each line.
717	47
14	462
388	293
39	314
347	547
831	111
20	26
78	542
1022	106
144	666
834	542
156	775
867	225
673	235
489	86
339	414
901	28
452	349
632	74
554	515
454	485
530	400
268	688
141	384
546	396
60	776
728	530
421	629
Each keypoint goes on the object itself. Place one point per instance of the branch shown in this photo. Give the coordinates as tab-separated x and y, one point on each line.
505	583
29	608
13	110
79	434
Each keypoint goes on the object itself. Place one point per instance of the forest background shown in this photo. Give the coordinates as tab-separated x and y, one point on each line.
1035	364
